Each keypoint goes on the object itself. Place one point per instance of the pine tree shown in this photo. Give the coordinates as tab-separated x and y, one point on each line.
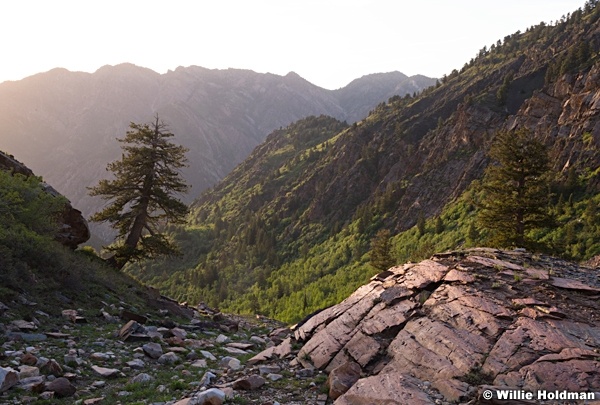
515	189
421	224
439	225
141	193
381	256
472	235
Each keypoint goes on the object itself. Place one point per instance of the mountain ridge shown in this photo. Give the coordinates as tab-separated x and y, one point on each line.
220	115
410	158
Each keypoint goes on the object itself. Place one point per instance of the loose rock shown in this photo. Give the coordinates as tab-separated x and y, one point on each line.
251	382
8	378
153	350
61	387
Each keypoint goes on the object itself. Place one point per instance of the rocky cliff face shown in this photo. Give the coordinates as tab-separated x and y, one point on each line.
73	226
448	328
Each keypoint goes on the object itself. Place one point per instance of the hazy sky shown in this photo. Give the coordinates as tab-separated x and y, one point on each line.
328	42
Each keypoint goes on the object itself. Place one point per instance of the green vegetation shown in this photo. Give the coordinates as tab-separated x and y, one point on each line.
141	193
289	231
31	258
381	255
515	189
27	223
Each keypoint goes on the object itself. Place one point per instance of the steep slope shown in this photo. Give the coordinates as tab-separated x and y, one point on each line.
64	124
410	158
72	227
364	93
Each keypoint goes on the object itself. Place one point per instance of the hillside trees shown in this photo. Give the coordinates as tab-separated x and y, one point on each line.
141	193
381	255
28	220
24	202
515	189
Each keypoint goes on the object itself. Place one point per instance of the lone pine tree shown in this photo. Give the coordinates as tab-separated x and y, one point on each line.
381	250
141	193
515	186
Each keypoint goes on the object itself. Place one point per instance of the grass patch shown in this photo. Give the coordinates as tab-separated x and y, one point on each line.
476	376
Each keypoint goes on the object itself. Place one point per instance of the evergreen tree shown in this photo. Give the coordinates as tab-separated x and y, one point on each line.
421	224
472	235
141	193
439	225
516	196
591	213
381	256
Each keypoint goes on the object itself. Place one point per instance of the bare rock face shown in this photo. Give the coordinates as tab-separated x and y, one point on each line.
73	226
389	388
448	326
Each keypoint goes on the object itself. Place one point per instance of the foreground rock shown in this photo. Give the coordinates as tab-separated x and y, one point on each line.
437	332
8	378
171	358
61	387
342	378
444	328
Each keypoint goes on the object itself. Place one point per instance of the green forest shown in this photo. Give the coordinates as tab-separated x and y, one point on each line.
291	230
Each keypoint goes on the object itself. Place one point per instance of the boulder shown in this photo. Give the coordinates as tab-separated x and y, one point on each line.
136	364
222	339
342	378
106	372
269	369
23	325
212	396
152	350
8	378
51	367
32	384
141	378
133	332
26	371
208	355
230	363
249	383
169	358
61	387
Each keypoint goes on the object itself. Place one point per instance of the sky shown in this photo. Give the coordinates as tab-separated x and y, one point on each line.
327	42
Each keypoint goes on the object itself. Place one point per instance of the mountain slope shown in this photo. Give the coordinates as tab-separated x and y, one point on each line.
368	91
291	252
64	124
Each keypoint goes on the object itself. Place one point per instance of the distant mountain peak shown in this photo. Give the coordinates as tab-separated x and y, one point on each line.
293	74
125	67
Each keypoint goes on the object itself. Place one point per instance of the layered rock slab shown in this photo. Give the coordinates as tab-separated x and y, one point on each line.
458	322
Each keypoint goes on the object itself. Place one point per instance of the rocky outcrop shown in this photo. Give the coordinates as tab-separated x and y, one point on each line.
73	226
450	327
441	332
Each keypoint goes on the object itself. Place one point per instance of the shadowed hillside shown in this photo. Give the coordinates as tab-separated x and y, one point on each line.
64	124
295	237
